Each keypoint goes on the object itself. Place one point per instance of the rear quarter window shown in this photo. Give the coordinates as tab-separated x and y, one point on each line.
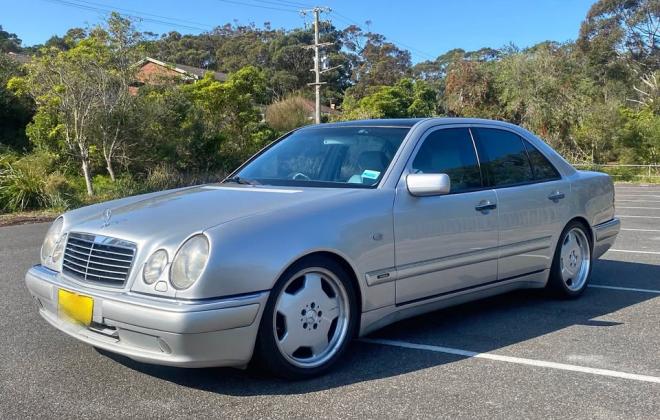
542	169
503	157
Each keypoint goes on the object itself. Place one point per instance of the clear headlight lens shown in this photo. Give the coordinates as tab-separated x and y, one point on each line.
154	266
51	249
189	262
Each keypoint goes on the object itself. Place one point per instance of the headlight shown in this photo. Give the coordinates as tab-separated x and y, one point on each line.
51	250
154	266
189	262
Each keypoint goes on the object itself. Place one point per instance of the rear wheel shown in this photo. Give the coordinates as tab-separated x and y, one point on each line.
309	319
571	266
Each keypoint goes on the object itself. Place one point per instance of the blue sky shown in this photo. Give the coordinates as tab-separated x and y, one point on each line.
426	28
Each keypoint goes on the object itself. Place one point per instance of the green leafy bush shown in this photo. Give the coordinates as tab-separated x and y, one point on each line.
21	189
23	182
61	192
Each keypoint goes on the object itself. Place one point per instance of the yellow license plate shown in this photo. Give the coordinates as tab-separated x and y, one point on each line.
74	307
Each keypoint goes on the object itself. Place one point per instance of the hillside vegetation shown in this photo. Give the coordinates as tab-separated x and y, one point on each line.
74	130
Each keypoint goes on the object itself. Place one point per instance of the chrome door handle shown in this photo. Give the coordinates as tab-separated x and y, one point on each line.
484	206
556	196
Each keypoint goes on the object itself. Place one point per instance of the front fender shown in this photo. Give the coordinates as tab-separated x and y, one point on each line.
250	254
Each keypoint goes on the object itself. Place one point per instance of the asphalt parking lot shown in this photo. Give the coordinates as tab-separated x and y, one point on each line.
520	355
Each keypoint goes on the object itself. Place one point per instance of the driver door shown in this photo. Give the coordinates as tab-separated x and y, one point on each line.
445	243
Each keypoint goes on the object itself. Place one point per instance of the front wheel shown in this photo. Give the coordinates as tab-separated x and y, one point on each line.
571	266
309	319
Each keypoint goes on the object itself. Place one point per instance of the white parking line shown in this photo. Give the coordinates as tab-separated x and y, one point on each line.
637	195
647	208
636	201
641	188
516	360
630	251
641	230
639	217
628	289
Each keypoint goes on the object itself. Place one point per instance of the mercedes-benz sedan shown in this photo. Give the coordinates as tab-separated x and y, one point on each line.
329	233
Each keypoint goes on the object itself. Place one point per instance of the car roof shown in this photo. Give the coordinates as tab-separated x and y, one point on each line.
409	122
385	122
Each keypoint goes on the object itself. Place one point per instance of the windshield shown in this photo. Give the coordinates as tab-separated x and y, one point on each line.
327	157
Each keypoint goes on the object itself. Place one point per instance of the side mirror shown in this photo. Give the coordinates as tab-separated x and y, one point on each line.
421	185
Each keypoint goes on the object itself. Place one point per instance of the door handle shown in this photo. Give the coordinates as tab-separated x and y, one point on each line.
556	196
484	206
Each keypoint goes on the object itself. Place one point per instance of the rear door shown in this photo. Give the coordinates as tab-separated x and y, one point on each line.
531	198
445	243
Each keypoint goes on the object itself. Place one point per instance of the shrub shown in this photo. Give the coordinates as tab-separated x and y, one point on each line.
106	189
163	177
287	114
61	192
21	189
23	181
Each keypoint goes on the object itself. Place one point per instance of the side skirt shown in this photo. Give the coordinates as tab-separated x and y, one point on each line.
379	318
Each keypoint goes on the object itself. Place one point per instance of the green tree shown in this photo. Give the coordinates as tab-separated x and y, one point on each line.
67	82
630	27
9	42
407	98
374	61
639	136
231	108
15	111
470	90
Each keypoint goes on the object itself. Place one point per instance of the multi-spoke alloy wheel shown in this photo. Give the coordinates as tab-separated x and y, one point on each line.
572	263
309	319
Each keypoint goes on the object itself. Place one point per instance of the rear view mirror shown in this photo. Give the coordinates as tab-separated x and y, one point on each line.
421	185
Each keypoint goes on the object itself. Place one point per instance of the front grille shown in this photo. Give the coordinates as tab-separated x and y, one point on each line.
98	259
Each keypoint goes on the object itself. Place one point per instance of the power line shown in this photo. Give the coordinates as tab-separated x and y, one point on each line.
80	6
240	3
292	3
187	24
141	13
284	3
348	20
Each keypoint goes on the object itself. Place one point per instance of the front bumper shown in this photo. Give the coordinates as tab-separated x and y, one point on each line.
215	332
605	235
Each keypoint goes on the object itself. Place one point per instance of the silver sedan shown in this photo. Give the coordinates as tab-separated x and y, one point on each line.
327	234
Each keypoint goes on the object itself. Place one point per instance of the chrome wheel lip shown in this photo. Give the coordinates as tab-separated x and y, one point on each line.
575	259
341	329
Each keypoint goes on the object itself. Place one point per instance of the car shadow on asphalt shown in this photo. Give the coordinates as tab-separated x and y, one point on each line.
481	326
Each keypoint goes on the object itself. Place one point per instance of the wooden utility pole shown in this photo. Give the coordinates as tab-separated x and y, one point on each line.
317	58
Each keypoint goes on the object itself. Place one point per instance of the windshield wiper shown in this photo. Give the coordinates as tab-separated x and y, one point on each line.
243	181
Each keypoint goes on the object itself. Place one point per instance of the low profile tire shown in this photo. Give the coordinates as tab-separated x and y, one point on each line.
309	319
571	266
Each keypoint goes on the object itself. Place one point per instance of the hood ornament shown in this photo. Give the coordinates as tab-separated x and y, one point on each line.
107	215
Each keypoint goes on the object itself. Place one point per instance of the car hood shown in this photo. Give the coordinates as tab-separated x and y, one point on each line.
179	213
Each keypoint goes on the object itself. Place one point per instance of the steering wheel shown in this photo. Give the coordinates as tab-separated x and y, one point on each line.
301	176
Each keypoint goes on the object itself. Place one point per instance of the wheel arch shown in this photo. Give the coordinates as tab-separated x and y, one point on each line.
583	221
353	278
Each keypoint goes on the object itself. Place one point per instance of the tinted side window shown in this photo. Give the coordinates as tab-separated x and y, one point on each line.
450	151
543	169
503	157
